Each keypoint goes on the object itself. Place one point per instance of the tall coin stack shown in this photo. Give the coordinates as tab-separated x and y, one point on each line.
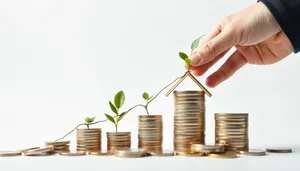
150	133
89	140
189	120
118	140
232	128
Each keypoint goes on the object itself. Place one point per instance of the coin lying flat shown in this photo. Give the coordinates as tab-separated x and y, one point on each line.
73	154
100	153
161	153
130	153
228	154
279	150
28	149
10	153
40	151
187	154
252	152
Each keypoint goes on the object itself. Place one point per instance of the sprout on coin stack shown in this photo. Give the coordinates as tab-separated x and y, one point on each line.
117	140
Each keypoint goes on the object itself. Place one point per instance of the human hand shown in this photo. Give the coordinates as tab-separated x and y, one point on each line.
256	35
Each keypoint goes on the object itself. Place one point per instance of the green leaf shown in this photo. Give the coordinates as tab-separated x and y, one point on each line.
89	120
145	96
119	99
121	116
110	118
183	56
188	61
113	108
196	43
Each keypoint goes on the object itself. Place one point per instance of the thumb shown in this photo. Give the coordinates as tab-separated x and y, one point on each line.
213	47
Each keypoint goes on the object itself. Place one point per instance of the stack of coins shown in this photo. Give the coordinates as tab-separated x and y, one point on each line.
189	120
150	133
59	146
118	140
89	140
232	128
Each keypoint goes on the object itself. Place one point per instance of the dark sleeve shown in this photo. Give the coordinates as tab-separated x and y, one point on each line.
287	14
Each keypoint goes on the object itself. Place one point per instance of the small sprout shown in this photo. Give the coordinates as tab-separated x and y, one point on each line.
119	100
89	120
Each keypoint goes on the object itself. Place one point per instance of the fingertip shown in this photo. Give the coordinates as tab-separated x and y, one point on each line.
211	82
195	59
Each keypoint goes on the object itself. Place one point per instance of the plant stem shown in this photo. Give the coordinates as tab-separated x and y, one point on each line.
79	126
87	125
116	125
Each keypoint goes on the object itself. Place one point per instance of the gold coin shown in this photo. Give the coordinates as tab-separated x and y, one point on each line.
161	153
279	150
57	143
228	154
28	149
39	151
10	153
187	154
100	153
130	153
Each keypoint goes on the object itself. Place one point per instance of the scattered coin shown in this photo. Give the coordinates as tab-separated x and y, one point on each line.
228	154
279	150
252	152
189	154
10	153
100	153
161	153
28	149
40	152
130	153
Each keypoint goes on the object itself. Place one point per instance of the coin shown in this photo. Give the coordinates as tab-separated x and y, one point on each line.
279	150
130	153
88	139
252	152
228	154
28	149
73	154
57	143
10	153
161	153
39	151
207	148
100	153
187	154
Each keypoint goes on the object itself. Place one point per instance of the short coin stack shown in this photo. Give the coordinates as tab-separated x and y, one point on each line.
59	146
89	140
232	128
118	140
189	120
150	133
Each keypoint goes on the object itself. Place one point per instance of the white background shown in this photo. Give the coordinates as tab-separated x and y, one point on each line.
63	60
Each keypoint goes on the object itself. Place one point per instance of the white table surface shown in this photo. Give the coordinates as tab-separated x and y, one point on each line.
272	162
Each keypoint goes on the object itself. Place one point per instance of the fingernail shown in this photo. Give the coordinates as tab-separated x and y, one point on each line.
195	58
